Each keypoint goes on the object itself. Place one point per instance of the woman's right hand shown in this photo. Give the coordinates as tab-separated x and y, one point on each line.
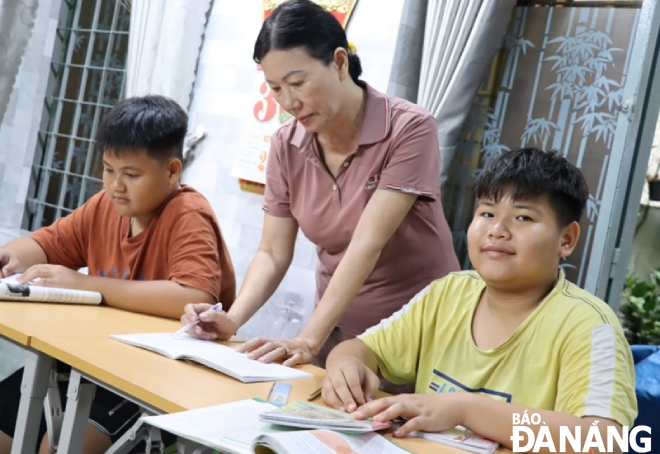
213	324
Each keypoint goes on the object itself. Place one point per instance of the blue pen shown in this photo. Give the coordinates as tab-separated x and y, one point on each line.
216	307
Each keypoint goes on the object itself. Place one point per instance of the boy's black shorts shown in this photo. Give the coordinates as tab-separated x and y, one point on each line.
110	413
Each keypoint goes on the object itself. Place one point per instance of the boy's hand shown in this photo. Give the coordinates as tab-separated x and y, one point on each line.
427	412
53	276
8	263
213	324
349	384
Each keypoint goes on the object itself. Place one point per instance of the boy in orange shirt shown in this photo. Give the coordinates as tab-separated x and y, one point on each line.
151	244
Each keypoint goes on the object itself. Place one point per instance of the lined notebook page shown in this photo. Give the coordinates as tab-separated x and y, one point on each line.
211	354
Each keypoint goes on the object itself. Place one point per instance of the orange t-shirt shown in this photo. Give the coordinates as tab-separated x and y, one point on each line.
183	243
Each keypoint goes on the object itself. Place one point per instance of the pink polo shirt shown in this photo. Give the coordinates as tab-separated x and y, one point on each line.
397	151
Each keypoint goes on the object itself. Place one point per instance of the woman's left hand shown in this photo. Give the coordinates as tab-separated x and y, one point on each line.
427	412
291	351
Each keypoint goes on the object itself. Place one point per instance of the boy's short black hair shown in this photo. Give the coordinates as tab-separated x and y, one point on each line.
530	173
154	123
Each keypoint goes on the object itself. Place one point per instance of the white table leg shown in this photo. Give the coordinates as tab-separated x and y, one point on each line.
79	401
33	391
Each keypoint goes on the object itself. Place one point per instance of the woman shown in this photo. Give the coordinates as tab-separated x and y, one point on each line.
358	172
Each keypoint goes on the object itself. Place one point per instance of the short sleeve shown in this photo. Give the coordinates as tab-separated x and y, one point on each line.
66	241
414	166
597	376
277	200
396	341
194	259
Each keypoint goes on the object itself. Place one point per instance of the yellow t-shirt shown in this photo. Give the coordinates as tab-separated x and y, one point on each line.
569	355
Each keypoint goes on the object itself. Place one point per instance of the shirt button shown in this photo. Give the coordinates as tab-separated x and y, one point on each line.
334	187
346	164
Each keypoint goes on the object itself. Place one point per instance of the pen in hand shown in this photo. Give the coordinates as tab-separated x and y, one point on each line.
216	307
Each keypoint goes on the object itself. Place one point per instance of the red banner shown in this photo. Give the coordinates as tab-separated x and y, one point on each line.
250	165
341	9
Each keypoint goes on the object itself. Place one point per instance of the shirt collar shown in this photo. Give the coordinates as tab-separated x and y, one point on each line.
375	128
377	117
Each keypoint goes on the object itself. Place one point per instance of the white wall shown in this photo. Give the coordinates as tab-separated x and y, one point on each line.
222	101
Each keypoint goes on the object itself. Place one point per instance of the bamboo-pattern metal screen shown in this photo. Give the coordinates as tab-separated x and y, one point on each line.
557	84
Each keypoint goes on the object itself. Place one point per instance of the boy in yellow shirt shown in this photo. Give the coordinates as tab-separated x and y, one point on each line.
512	336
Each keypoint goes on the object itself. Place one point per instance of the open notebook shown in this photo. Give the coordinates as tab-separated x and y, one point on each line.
235	428
11	290
210	354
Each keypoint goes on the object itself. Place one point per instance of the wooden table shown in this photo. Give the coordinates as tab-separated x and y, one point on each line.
78	336
155	381
165	386
20	321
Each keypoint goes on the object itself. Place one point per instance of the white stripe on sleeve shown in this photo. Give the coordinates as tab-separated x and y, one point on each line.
398	314
599	397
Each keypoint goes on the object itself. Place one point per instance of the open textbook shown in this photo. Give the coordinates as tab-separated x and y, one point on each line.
235	428
210	354
11	290
311	416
